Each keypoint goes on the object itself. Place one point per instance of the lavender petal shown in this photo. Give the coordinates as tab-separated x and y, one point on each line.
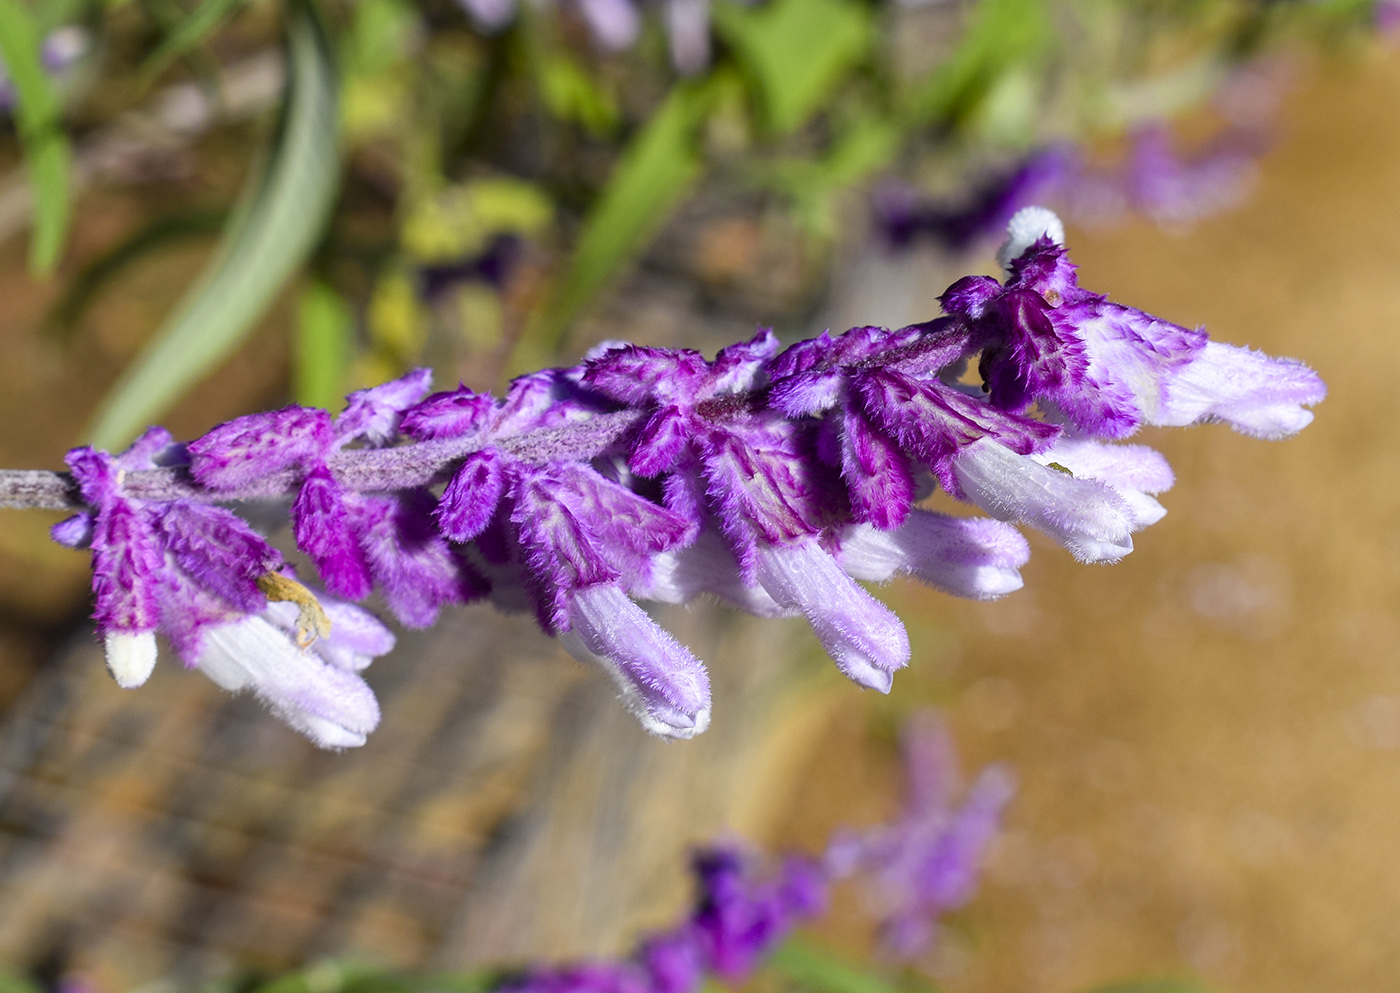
862	635
664	686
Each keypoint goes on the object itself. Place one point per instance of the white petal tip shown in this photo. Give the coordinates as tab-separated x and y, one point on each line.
324	733
131	657
1106	552
677	726
992	583
1027	226
864	673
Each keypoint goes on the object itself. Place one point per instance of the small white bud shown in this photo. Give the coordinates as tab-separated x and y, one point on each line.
131	657
1027	226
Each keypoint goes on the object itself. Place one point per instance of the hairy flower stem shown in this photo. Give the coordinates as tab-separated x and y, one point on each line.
423	463
360	470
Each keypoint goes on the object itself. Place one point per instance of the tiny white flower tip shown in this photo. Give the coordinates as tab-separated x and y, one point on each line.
872	678
323	733
1027	226
131	656
677	725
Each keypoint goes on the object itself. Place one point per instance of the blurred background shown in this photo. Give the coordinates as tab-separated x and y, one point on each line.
261	202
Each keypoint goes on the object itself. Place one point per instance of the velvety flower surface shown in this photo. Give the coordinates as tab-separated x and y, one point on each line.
773	479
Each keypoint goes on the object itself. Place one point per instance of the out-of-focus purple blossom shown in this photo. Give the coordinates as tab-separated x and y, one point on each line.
61	50
1152	179
927	862
740	916
915	869
773	479
493	266
1386	17
616	24
1175	190
901	216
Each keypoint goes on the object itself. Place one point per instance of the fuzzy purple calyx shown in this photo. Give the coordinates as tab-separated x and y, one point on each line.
258	445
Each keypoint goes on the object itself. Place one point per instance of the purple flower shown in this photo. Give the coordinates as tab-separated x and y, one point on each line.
1125	368
1152	179
741	917
862	635
1386	16
927	862
375	414
357	541
199	575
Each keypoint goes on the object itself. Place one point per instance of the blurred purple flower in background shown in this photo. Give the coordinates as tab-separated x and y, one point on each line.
1387	17
927	862
616	24
915	869
60	52
740	916
1153	180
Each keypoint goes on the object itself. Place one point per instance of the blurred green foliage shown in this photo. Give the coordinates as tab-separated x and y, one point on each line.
408	147
39	121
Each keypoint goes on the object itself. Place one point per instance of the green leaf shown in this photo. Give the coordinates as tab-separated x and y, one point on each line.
39	119
323	345
796	51
813	184
189	33
817	970
571	94
14	984
1003	34
275	228
657	168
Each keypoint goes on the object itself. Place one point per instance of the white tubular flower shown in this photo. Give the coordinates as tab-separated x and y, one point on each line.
705	566
315	690
1134	472
658	679
862	635
1256	394
971	557
1088	518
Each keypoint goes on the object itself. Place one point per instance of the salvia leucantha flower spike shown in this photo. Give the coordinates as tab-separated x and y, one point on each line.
770	478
